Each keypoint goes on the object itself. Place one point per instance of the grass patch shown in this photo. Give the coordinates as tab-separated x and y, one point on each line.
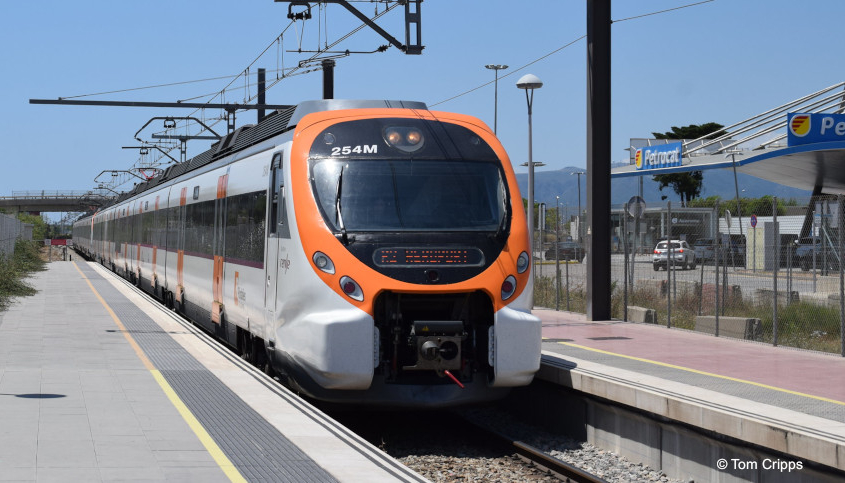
802	325
14	269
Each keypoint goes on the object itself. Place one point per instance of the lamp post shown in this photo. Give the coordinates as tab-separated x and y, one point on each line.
579	173
496	68
529	82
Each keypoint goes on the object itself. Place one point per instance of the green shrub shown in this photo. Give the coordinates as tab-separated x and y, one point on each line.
13	270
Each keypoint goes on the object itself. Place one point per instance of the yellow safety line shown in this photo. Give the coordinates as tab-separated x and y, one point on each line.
696	371
222	461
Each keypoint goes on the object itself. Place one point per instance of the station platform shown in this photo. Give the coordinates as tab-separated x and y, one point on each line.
97	383
786	402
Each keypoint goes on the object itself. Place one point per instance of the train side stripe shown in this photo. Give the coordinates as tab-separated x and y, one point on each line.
207	441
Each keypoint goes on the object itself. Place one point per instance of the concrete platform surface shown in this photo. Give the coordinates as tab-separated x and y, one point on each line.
789	401
99	384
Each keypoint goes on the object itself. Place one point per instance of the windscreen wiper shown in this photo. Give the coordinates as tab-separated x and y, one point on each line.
338	215
502	231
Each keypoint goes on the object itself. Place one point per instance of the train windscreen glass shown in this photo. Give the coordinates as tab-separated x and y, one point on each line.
410	195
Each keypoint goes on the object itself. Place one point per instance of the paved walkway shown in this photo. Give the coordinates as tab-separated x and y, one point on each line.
99	384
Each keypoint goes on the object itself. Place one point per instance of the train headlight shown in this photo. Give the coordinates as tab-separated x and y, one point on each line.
522	262
323	262
406	139
508	287
351	289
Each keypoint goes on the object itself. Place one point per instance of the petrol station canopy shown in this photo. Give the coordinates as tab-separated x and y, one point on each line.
812	158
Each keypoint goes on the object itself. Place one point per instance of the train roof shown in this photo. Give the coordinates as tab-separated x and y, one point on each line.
275	123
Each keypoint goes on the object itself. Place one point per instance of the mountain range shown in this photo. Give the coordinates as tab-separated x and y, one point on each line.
717	182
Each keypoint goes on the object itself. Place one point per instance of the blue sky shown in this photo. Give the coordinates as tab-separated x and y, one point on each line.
722	61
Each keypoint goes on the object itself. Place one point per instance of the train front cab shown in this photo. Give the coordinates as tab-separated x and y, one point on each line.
419	233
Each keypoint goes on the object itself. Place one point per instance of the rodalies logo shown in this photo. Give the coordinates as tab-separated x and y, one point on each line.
800	125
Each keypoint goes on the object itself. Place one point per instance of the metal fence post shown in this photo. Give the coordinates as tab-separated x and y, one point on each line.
775	272
669	264
716	245
567	282
625	261
841	227
557	258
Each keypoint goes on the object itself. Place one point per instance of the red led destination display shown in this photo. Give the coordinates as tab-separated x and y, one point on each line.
392	257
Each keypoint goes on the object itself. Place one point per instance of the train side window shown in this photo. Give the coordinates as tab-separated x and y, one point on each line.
278	219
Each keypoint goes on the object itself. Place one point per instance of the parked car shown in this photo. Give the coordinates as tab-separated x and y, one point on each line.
704	249
683	256
806	249
566	250
736	254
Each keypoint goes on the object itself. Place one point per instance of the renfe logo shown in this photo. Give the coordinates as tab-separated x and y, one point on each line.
662	156
814	128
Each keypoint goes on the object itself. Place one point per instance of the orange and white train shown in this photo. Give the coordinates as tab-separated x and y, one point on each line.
370	252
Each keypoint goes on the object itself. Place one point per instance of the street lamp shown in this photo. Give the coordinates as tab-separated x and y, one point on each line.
579	173
529	82
496	68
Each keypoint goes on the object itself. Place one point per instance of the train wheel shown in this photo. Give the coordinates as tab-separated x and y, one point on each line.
178	306
267	364
246	346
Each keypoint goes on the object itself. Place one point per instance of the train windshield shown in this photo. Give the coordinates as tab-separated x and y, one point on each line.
410	195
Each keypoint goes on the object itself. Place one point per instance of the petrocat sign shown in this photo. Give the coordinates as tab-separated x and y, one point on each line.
662	156
814	128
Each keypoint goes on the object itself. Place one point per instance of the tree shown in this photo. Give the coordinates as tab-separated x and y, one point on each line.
40	229
686	185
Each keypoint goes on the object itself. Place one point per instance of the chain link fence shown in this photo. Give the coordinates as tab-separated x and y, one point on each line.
766	270
11	229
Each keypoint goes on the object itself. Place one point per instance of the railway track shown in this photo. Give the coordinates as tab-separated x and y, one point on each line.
563	471
445	446
461	444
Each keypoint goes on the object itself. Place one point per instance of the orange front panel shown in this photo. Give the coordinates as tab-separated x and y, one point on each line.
320	238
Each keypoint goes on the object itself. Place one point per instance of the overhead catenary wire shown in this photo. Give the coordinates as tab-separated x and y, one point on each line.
282	72
562	48
661	11
510	73
293	70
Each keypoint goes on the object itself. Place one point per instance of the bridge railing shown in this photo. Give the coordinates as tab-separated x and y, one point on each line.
43	194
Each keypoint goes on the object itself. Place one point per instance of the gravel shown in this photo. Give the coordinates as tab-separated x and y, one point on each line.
444	448
604	464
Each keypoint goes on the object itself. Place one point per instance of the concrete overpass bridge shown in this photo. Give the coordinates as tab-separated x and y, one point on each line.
52	201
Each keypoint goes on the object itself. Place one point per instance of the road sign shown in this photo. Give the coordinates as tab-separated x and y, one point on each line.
753	221
636	206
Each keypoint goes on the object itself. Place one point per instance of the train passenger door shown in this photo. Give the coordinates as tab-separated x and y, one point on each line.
218	246
277	229
179	236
